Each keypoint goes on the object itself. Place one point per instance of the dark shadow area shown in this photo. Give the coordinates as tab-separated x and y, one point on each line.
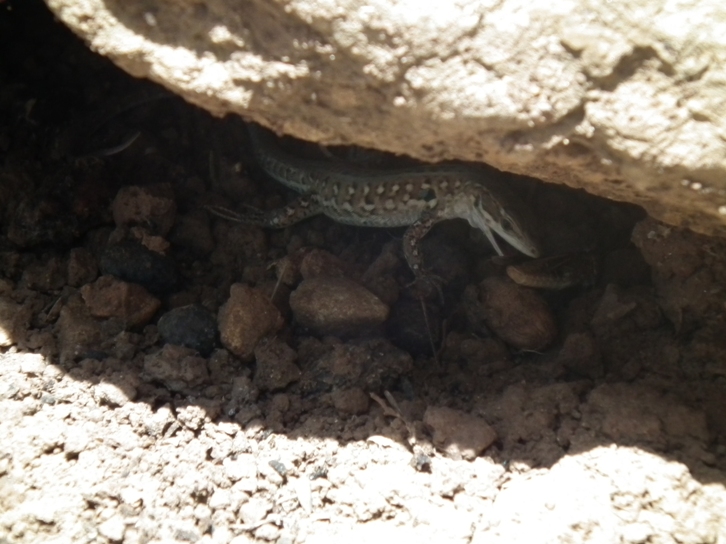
638	357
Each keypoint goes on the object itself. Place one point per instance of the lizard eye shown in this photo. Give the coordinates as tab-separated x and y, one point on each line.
507	225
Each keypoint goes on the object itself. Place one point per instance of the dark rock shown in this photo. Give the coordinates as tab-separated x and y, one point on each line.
192	326
134	263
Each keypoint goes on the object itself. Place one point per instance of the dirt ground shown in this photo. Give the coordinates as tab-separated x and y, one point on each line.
167	375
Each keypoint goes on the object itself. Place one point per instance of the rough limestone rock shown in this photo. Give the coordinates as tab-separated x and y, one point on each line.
624	98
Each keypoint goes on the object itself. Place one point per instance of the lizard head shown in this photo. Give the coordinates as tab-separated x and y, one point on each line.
515	232
497	210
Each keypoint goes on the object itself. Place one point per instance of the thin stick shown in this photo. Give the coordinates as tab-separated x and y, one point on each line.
279	279
434	351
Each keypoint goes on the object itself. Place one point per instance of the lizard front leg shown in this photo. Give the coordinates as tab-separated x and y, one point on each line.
413	254
301	208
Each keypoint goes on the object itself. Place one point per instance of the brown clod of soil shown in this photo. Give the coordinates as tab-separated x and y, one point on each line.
459	434
687	274
246	317
351	401
625	310
82	267
78	331
581	354
519	316
152	207
638	413
373	365
276	367
336	306
111	297
177	367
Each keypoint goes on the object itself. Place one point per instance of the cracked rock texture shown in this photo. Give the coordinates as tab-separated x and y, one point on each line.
625	98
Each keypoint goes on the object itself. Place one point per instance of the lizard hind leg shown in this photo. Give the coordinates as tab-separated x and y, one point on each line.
251	216
301	208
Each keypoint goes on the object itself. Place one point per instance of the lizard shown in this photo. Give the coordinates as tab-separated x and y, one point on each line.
416	197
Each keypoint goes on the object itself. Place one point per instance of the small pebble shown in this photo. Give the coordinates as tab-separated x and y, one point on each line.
77	440
268	533
220	499
421	462
279	467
